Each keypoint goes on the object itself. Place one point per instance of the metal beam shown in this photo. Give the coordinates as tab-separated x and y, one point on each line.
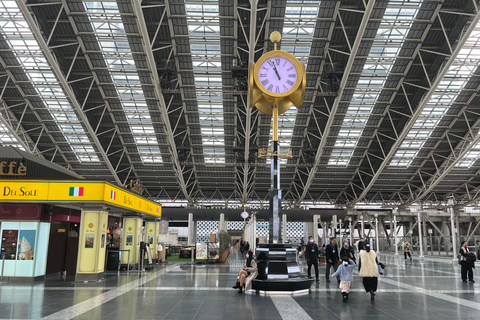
333	110
449	165
248	111
421	106
142	28
52	61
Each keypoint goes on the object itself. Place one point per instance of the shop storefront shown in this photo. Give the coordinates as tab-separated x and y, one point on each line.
62	226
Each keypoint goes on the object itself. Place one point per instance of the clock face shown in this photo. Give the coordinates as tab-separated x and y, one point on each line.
277	75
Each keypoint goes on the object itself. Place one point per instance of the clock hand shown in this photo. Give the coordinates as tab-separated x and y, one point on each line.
276	71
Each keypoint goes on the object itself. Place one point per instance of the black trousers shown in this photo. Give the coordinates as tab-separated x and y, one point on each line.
334	264
311	262
466	268
370	283
405	254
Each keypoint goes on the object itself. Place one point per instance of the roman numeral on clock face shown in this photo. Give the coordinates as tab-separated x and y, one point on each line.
291	68
285	88
264	82
277	89
270	87
262	75
277	61
292	75
290	82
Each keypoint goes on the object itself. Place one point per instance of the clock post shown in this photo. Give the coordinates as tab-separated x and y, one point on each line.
276	82
275	193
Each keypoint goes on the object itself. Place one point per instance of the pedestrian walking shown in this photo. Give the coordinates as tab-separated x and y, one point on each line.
311	253
345	271
369	270
331	257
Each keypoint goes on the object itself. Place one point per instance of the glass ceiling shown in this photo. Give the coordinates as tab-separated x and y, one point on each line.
112	39
204	32
20	39
7	139
391	34
297	37
458	75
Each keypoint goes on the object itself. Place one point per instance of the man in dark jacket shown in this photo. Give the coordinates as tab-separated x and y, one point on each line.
311	252
331	257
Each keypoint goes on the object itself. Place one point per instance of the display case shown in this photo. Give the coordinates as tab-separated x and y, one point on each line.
213	251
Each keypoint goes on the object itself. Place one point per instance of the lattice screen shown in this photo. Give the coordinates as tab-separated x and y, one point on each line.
235	225
205	228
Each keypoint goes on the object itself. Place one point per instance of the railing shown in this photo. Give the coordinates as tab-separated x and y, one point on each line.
432	245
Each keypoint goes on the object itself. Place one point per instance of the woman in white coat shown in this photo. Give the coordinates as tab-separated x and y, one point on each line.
369	270
247	274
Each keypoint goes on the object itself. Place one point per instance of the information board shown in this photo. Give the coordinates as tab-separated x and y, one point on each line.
202	251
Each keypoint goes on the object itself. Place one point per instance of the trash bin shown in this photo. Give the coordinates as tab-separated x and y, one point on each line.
113	260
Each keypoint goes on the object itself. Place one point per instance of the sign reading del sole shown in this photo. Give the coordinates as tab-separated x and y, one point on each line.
75	191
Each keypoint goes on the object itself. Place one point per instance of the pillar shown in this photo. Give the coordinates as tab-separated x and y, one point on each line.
131	233
376	233
362	227
420	243
284	224
190	230
221	223
452	224
315	228
92	245
151	236
395	231
310	230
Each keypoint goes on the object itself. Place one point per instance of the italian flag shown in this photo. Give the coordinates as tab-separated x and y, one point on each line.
113	194
76	192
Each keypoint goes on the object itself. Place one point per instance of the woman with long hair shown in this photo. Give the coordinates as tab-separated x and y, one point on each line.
369	270
247	274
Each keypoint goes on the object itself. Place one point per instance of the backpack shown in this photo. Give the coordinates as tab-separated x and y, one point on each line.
407	247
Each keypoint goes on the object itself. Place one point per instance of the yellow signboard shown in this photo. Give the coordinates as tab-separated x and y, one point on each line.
75	192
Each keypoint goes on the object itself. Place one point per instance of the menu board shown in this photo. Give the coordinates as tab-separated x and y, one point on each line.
201	251
9	244
26	245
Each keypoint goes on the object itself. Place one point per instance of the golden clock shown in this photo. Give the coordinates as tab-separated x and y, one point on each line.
277	78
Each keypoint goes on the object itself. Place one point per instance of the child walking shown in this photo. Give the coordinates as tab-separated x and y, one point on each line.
345	270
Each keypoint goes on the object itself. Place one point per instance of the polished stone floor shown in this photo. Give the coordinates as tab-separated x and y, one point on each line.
408	290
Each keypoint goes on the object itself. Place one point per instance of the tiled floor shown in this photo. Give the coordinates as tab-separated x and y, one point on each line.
409	290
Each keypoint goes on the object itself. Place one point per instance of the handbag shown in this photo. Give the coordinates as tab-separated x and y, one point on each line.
380	270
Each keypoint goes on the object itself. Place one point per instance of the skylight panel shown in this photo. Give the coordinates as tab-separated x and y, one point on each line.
14	29
470	158
457	76
204	31
391	34
112	39
297	37
7	139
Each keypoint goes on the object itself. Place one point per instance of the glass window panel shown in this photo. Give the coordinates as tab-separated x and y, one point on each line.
121	66
27	51
388	42
457	76
204	28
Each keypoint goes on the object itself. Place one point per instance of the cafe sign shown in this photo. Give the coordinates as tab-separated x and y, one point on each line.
12	169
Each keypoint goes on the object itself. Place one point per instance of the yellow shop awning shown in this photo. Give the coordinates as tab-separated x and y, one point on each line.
76	192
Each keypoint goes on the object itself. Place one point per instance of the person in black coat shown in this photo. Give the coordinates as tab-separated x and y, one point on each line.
466	263
311	253
347	252
331	257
